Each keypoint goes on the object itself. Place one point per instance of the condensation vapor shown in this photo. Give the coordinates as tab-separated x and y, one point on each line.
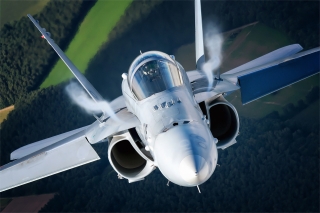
213	43
82	99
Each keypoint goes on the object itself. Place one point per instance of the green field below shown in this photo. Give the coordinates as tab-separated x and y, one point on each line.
92	33
252	42
256	40
14	9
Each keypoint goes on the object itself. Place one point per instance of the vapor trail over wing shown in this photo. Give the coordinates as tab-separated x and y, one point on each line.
199	77
98	131
261	76
82	80
62	155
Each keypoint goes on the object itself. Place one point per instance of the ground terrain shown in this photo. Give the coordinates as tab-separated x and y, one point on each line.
92	33
14	9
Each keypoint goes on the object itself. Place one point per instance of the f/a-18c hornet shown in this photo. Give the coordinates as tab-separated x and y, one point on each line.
167	118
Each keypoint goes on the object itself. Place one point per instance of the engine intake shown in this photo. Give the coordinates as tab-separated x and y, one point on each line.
127	158
224	120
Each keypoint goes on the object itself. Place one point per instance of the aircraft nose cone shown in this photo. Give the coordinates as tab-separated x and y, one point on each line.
194	169
186	154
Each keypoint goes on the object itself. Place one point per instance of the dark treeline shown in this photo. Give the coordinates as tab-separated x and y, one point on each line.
25	58
136	12
171	24
273	167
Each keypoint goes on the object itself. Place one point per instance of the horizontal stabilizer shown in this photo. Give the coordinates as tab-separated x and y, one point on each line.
278	75
66	154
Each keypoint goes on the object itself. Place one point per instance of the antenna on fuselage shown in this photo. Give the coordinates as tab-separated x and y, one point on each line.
198	189
168	182
140	52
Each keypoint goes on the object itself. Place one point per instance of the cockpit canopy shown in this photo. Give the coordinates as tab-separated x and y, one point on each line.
153	72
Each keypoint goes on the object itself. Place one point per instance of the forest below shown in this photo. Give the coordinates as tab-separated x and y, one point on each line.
273	167
25	58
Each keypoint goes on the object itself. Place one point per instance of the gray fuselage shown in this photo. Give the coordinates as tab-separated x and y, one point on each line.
175	131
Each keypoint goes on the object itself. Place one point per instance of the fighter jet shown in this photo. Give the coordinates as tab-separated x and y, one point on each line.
167	118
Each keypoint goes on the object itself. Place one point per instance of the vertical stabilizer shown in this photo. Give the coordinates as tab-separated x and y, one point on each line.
199	35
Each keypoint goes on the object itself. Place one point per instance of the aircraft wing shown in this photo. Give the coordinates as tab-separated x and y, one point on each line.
261	76
30	148
199	80
270	57
67	153
257	78
110	127
262	80
82	80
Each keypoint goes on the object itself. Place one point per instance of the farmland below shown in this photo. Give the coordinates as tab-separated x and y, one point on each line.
92	33
14	10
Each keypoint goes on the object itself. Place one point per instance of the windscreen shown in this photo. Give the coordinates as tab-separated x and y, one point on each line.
154	77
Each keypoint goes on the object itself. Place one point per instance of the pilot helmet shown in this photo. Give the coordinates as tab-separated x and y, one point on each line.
153	72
